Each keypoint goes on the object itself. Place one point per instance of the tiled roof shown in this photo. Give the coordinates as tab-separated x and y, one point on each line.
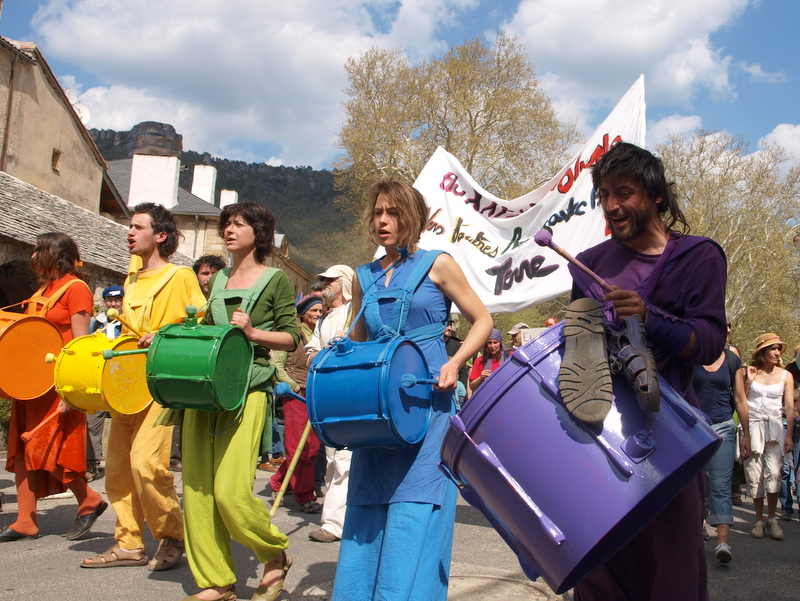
26	212
188	203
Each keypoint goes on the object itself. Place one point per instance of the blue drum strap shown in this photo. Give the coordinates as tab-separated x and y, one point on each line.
402	297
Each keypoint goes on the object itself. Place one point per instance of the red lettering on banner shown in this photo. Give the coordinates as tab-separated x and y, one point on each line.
565	183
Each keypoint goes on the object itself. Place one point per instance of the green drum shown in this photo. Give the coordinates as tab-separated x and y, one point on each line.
207	367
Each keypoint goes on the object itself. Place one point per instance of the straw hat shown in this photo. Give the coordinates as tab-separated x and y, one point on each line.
766	340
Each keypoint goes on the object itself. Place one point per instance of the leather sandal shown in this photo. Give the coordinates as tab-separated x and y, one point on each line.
630	356
229	595
271	593
116	558
168	554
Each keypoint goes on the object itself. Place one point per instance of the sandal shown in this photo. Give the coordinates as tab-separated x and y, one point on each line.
168	554
311	507
116	558
229	595
271	593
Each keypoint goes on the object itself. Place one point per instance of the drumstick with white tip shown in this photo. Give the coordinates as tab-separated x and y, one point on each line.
114	315
545	238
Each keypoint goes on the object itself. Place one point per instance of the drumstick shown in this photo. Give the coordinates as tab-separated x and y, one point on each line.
114	315
26	436
287	476
545	238
409	380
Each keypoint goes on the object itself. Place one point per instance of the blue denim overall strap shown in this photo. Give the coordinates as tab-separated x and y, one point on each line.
402	296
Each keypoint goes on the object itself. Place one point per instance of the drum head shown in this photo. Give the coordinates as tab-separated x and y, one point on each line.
232	369
124	383
409	409
23	345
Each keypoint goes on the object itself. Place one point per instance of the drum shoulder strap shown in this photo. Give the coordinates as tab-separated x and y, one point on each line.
402	296
216	302
48	302
146	302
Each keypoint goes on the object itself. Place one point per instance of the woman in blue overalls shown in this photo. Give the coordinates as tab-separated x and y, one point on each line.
398	531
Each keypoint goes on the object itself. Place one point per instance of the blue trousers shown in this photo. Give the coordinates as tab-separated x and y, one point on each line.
720	472
396	552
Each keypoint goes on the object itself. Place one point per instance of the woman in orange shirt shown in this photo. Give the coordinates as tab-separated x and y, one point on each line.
54	459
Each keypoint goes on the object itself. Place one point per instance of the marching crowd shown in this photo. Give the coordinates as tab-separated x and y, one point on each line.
392	509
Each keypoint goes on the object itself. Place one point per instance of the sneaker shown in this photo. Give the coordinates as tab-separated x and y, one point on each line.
786	516
323	536
584	379
723	553
630	356
774	529
758	530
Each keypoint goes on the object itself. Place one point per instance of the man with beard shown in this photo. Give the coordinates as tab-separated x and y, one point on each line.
337	285
671	286
205	267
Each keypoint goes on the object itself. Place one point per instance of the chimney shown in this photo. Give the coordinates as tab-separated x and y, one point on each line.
204	182
228	197
154	179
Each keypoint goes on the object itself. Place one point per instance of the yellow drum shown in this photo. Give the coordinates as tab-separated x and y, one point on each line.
25	340
86	381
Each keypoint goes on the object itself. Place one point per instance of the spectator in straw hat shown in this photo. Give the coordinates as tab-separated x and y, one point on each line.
768	389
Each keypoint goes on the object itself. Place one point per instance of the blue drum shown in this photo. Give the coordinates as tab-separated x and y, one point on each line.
356	397
566	496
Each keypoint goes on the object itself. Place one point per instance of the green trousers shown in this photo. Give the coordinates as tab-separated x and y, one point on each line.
218	498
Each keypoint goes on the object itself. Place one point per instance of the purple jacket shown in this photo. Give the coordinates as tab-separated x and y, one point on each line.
684	292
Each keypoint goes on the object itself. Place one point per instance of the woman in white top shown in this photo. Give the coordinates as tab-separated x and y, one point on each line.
768	389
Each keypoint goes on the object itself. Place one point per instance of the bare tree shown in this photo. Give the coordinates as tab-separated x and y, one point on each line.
482	104
749	203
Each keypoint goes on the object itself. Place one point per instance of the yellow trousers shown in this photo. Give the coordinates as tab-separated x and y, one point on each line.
218	498
138	481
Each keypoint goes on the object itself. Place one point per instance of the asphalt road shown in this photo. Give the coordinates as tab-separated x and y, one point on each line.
484	568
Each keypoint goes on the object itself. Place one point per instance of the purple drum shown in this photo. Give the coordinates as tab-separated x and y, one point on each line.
566	496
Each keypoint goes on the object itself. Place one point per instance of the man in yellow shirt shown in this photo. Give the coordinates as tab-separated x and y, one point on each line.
138	481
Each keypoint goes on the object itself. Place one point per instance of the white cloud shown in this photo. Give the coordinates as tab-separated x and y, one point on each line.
787	136
660	131
259	80
758	74
598	49
233	75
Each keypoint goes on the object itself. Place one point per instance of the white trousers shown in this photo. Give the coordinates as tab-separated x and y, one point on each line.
337	477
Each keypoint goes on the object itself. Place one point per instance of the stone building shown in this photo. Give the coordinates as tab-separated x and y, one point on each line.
52	178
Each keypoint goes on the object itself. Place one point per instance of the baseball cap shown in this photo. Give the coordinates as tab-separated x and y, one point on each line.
113	292
337	271
517	327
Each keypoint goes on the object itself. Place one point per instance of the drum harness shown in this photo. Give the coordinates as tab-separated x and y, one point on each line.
259	376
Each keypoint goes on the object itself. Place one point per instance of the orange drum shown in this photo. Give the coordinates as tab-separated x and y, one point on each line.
25	340
86	381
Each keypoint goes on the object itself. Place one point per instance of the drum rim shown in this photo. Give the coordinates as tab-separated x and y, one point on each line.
18	321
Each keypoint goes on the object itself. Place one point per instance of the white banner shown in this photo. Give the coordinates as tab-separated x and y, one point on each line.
492	239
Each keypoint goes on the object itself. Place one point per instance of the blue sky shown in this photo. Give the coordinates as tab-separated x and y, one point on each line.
263	81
